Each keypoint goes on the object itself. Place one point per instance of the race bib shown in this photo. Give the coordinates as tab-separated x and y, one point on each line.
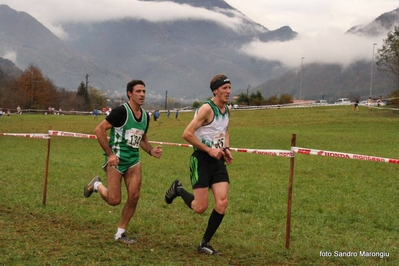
133	137
218	140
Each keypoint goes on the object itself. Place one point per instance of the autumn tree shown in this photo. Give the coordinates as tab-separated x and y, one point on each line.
286	98
273	100
4	91
98	99
37	91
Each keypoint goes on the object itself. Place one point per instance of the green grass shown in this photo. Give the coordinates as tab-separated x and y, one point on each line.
338	204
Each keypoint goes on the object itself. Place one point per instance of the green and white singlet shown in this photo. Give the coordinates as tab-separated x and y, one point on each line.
125	140
204	169
213	134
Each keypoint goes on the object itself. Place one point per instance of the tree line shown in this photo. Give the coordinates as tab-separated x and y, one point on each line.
32	90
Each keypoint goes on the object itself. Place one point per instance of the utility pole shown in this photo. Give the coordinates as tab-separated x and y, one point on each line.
372	67
87	81
300	82
166	100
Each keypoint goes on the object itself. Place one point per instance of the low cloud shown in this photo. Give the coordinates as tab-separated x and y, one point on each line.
51	13
330	47
10	55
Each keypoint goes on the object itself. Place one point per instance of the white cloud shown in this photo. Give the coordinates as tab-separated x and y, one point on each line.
50	13
330	47
10	55
313	16
321	24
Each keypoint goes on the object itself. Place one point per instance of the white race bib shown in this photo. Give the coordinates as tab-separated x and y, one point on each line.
218	140
133	137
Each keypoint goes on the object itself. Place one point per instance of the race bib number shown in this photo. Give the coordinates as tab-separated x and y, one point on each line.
133	137
218	140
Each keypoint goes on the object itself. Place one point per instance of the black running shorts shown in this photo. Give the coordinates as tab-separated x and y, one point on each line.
206	170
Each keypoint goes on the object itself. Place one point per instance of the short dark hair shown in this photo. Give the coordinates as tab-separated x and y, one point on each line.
131	84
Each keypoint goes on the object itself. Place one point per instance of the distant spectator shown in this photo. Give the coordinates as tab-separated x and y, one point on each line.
369	101
8	112
356	106
177	113
157	114
19	110
95	113
168	114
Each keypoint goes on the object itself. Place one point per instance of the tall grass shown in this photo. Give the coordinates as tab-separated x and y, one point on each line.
339	205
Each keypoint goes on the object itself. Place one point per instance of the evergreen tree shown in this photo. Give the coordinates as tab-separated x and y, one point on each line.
83	95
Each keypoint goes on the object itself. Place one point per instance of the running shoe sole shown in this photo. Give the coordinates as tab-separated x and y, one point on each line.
89	189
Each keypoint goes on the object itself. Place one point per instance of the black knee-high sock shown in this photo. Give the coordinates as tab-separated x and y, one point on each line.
186	196
213	224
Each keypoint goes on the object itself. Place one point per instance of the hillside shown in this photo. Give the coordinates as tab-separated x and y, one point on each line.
330	82
323	81
178	56
32	43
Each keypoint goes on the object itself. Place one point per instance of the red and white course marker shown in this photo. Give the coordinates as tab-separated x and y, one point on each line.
343	155
283	153
170	144
71	134
35	136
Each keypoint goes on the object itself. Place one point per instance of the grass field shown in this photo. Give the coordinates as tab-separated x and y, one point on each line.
339	205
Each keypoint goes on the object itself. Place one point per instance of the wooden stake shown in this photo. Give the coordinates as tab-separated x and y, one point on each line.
289	203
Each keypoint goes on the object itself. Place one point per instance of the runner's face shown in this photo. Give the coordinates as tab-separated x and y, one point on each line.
223	92
138	94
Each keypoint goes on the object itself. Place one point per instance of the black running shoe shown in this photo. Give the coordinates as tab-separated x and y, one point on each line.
171	194
89	189
207	249
124	239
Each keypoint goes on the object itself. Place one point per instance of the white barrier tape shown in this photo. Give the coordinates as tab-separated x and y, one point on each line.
171	144
343	155
283	153
35	136
71	134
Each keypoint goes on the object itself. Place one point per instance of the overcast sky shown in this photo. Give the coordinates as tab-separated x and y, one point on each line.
320	23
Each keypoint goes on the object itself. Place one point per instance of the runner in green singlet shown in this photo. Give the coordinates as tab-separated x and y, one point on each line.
128	124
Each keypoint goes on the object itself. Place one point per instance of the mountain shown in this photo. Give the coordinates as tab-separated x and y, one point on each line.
327	81
9	68
380	26
178	56
29	42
